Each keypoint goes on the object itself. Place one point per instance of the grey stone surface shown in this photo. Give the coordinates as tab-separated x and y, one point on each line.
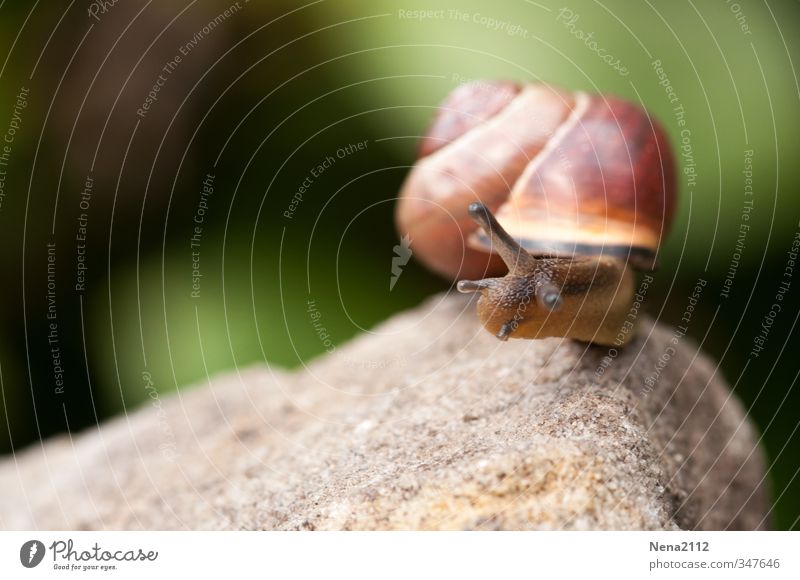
427	422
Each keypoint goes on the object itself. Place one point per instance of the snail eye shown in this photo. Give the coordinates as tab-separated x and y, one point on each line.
551	300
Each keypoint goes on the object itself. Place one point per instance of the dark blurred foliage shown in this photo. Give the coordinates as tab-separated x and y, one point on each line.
276	88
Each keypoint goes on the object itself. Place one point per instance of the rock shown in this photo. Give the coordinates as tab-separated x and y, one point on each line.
428	422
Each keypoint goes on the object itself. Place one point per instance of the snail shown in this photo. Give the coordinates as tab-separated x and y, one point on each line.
571	191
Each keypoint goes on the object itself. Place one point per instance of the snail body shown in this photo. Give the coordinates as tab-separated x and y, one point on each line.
541	294
583	188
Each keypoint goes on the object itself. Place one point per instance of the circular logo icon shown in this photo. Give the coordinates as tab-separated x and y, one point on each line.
31	553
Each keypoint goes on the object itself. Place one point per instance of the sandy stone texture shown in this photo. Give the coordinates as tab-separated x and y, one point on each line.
426	422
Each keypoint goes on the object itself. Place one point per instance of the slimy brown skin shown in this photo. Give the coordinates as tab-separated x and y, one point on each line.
583	297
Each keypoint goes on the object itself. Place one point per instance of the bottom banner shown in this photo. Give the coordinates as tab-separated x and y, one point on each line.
399	554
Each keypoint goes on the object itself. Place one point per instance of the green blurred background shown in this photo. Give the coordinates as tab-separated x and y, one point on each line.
277	87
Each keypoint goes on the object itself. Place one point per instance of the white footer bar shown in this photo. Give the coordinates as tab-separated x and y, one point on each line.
388	555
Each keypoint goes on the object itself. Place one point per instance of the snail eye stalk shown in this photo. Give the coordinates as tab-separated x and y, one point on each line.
514	255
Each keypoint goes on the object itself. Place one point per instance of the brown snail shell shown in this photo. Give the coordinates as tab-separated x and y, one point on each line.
566	174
